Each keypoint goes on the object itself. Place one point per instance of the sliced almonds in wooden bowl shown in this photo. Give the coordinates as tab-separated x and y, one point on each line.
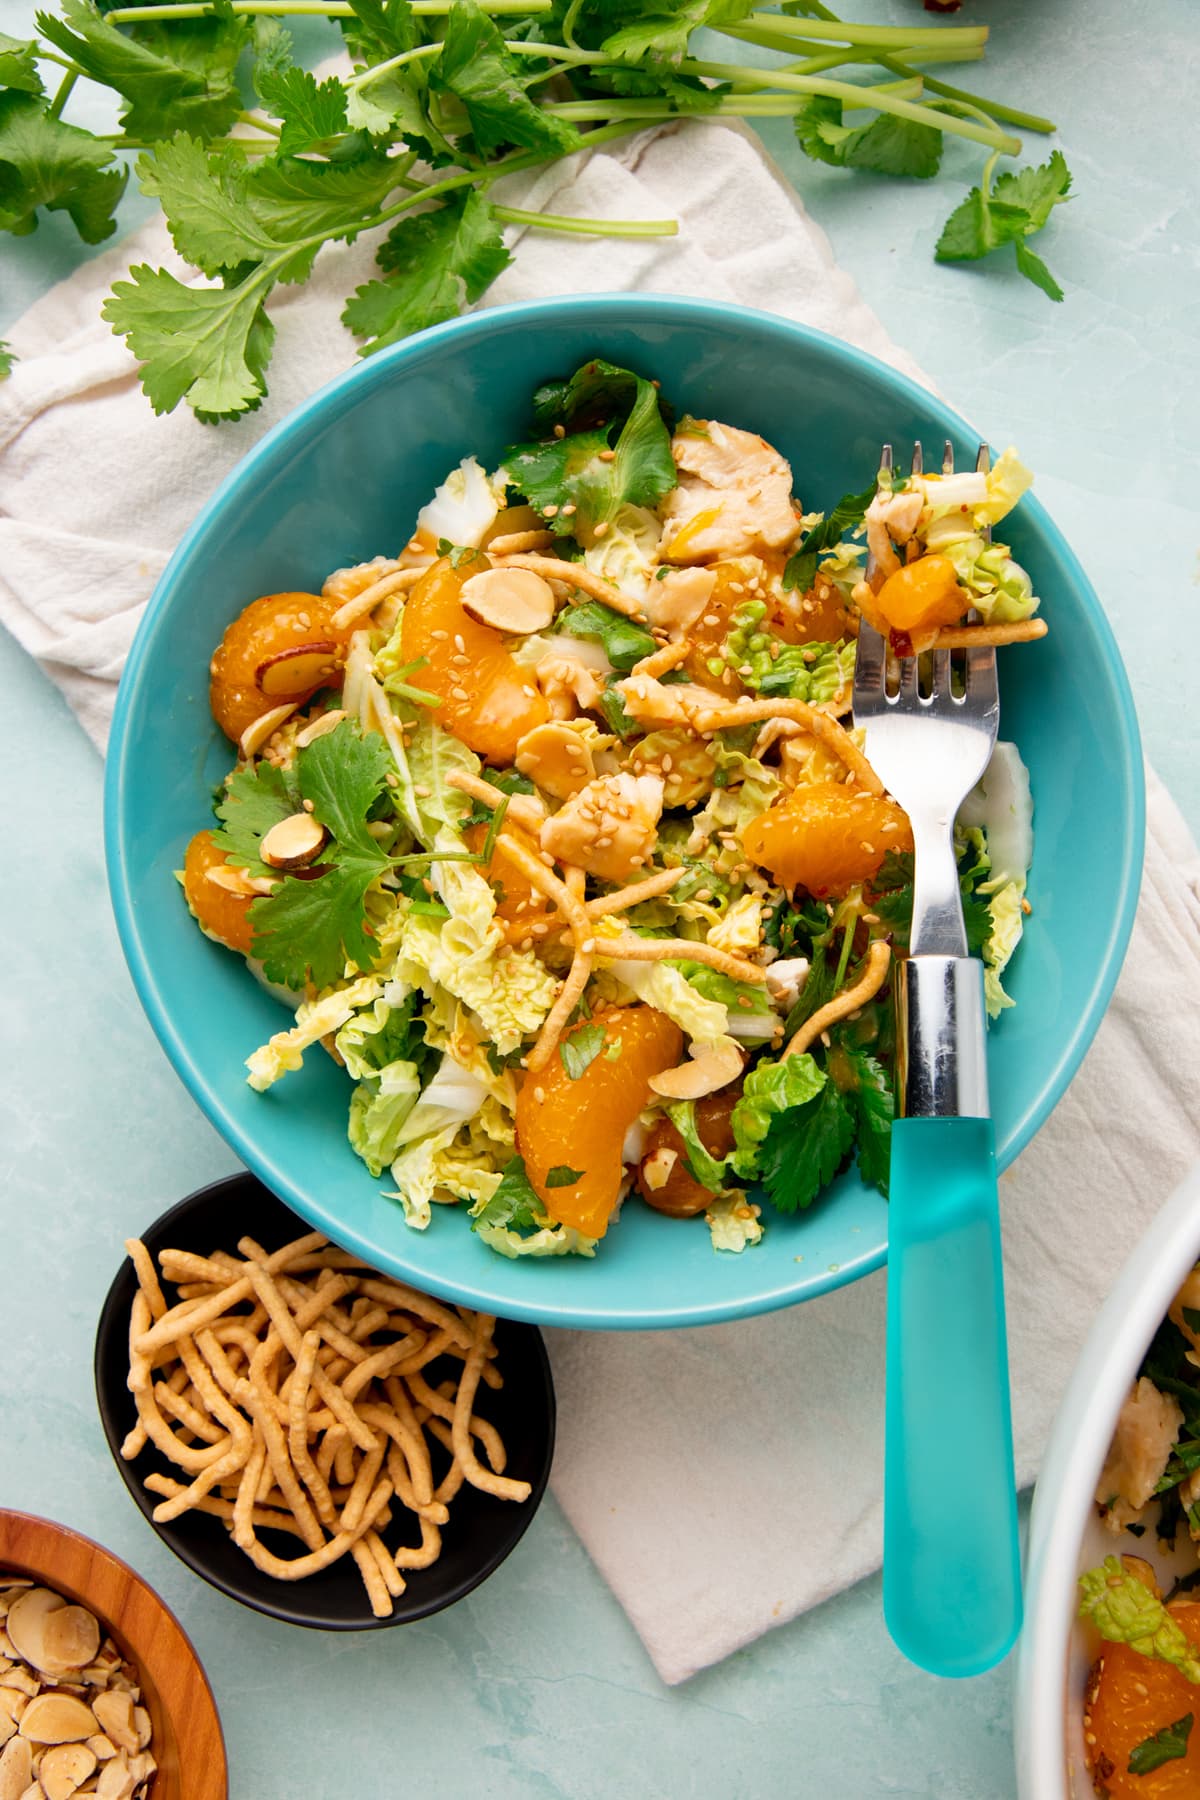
100	1691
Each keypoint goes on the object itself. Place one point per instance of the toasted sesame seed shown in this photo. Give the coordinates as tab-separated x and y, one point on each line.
304	619
550	512
587	947
560	431
826	1039
527	943
458	693
607	455
459	642
439	637
539	1094
393	780
460	660
601	528
568	509
422	790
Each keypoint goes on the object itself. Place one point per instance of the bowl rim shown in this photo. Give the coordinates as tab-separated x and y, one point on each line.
1064	1492
112	1323
324	407
177	1645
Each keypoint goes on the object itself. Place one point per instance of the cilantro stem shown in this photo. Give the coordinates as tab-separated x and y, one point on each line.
617	228
315	9
259	124
64	93
393	62
855	94
883	37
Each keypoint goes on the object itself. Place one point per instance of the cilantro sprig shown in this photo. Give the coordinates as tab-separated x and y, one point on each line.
437	108
316	922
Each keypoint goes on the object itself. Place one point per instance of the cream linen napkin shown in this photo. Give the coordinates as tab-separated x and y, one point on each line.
725	1479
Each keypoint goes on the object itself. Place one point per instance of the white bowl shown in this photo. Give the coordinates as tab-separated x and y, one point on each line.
1065	1534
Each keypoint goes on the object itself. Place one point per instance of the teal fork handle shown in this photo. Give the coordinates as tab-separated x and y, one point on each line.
951	1560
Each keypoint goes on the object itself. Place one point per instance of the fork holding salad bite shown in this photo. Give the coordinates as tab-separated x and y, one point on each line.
552	832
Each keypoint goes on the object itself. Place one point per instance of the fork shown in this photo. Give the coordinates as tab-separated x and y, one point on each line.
951	1560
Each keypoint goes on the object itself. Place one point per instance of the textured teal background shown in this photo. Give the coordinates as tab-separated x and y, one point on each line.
537	1688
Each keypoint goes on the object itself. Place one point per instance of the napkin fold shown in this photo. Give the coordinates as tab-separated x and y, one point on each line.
726	1479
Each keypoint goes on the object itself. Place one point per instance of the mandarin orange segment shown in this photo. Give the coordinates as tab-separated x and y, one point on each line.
222	914
1132	1697
488	700
280	648
816	617
707	636
581	1125
923	594
826	836
521	909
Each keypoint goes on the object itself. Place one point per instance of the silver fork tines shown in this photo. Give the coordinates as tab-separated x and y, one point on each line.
929	742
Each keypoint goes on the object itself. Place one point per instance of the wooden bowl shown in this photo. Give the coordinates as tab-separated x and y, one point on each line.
186	1742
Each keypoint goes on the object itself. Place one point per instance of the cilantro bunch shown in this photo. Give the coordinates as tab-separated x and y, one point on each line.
258	165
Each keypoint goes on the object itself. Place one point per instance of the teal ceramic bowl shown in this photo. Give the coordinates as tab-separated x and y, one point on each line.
340	480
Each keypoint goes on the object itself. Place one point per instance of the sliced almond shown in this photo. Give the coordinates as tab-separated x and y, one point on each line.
558	758
101	1747
656	1170
514	600
64	1769
677	598
256	735
116	1780
142	1766
715	1067
23	1679
237	881
114	1715
71	1638
319	726
292	673
141	1724
293	843
57	1719
26	1625
16	1769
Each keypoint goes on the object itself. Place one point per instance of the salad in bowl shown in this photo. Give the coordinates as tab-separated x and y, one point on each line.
554	831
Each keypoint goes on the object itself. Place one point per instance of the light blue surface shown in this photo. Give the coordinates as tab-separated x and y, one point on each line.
537	1689
327	486
951	1564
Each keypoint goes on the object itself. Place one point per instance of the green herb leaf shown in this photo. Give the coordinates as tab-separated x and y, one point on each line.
702	1165
311	111
180	76
7	360
891	894
866	1087
435	265
661	35
309	929
580	1049
514	1204
1191	1317
1163	1746
44	163
1007	211
255	799
805	1147
18	66
563	1176
801	570
479	71
380	29
624	643
208	346
771	1089
888	145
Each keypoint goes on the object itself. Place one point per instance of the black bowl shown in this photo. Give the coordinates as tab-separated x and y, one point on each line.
481	1530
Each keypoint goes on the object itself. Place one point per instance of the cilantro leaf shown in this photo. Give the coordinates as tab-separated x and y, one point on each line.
312	926
801	569
44	163
435	264
380	29
7	360
585	468
171	78
624	642
580	1049
477	69
661	34
805	1148
1161	1747
18	65
311	111
208	346
888	145
254	800
563	1176
514	1204
867	1088
343	773
1007	211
